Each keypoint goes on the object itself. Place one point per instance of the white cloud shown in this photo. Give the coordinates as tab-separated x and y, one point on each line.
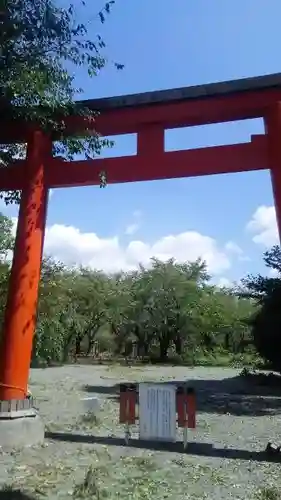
135	225
273	273
244	258
263	226
224	283
72	246
236	251
233	248
131	229
137	214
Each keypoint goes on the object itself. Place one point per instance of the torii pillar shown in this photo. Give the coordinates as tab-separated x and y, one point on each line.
272	122
19	423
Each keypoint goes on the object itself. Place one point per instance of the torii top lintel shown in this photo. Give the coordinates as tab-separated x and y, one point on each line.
209	90
148	115
188	106
182	107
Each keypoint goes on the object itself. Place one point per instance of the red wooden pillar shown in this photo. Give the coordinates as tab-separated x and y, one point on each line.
20	316
273	131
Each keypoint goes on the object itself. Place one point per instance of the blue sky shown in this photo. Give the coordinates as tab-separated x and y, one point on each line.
173	43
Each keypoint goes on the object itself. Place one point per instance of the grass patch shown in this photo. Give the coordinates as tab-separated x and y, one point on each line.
132	477
90	420
40	479
91	486
143	478
219	358
268	493
107	481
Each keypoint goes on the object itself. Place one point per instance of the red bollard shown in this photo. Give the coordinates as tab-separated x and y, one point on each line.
181	406
186	410
191	408
127	408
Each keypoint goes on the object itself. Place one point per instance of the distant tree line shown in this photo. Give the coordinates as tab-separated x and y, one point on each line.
167	312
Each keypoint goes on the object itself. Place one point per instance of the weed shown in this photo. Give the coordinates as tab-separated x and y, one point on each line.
89	487
269	493
90	419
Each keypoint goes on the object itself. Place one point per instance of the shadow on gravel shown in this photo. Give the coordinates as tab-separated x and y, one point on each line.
198	449
102	389
234	396
9	494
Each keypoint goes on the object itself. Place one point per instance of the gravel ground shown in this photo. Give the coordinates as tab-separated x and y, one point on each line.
86	458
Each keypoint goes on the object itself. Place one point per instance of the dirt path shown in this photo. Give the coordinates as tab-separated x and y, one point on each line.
87	458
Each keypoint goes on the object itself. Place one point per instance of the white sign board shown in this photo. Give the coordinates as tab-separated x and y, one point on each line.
157	412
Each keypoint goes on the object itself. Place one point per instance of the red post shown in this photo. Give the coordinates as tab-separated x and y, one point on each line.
127	406
273	130
20	315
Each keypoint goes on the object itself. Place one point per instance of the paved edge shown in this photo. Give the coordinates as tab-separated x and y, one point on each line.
21	432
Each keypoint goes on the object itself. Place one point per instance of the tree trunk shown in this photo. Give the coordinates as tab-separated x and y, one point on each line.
68	346
78	347
91	343
164	346
143	349
178	345
227	341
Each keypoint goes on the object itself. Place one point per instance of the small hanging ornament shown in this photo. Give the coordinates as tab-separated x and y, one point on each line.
103	179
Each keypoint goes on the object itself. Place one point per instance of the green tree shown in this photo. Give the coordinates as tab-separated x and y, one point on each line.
122	312
266	321
260	287
172	307
72	309
50	336
87	307
7	240
173	292
40	44
221	319
157	304
6	247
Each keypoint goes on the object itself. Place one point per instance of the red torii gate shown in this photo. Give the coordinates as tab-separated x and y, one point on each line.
147	115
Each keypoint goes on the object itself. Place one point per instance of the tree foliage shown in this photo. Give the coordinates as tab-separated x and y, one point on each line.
168	311
266	321
6	247
41	44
